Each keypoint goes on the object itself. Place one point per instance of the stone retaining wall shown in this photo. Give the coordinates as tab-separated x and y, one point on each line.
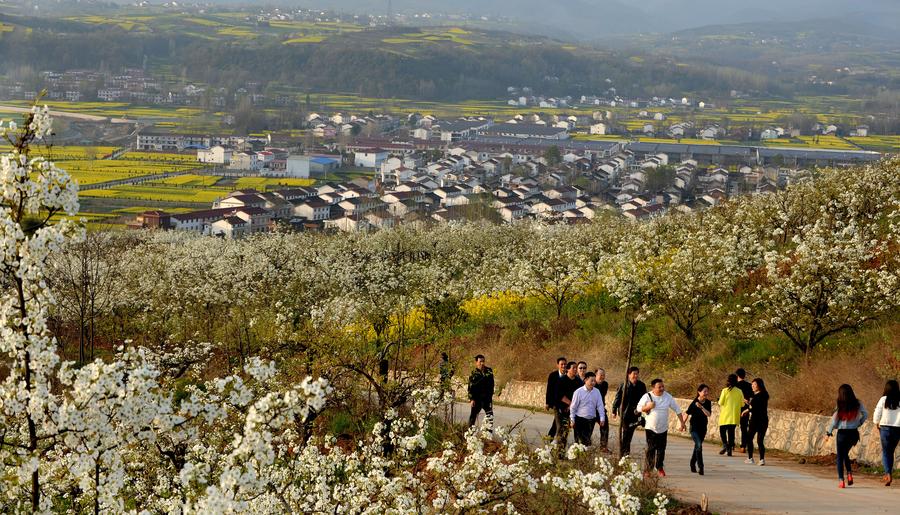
794	432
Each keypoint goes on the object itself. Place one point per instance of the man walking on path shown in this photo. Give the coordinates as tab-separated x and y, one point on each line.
747	391
552	387
625	405
603	387
656	404
587	409
566	390
481	391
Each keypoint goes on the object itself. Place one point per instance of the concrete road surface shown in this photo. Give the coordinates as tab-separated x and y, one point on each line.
731	485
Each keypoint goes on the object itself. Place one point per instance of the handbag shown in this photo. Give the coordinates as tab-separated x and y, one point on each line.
642	419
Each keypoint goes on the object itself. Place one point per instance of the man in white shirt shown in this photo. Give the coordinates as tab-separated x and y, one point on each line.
656	405
587	409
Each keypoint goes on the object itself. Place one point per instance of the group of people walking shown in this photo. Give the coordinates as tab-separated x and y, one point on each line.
577	398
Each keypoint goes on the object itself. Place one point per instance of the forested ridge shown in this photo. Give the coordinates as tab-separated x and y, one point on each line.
361	63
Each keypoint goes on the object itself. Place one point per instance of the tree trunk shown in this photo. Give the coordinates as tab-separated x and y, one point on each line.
634	324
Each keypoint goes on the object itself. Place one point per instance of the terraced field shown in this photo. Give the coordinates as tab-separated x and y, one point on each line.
264	183
88	164
159	156
192	180
157	192
67	153
221	26
878	143
823	142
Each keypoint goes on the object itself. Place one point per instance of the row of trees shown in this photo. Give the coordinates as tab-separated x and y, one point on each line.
810	261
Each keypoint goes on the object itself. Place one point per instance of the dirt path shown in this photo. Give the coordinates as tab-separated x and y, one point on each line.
731	485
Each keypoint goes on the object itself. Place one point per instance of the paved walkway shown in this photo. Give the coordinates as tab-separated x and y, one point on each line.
731	485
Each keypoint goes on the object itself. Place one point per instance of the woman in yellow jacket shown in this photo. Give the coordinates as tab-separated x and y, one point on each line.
730	401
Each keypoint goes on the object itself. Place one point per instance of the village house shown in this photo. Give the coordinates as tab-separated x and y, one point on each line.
216	155
369	158
230	227
313	209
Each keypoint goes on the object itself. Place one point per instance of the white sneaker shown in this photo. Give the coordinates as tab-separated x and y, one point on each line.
749	461
762	462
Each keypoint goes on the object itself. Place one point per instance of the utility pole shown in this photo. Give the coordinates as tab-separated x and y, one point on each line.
390	13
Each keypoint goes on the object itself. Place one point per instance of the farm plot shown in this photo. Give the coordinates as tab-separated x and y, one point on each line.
157	192
878	143
69	153
190	180
159	156
264	183
92	172
823	142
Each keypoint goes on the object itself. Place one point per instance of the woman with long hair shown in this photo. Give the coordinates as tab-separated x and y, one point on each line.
758	424
848	416
699	411
887	420
730	401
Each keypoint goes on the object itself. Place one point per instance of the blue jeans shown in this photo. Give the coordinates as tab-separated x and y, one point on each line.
697	455
846	439
890	435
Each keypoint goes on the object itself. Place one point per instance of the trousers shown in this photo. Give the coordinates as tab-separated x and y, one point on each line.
726	433
846	439
697	455
757	429
477	407
562	430
656	449
584	430
890	436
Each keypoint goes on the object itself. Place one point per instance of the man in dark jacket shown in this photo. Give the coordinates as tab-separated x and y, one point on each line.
552	386
565	390
634	389
603	387
747	390
481	391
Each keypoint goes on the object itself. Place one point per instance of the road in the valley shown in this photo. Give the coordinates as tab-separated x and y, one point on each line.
731	485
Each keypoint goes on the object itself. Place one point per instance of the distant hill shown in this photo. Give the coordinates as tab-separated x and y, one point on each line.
854	55
433	63
592	19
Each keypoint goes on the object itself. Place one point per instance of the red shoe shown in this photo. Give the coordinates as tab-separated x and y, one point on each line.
661	472
849	479
841	484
